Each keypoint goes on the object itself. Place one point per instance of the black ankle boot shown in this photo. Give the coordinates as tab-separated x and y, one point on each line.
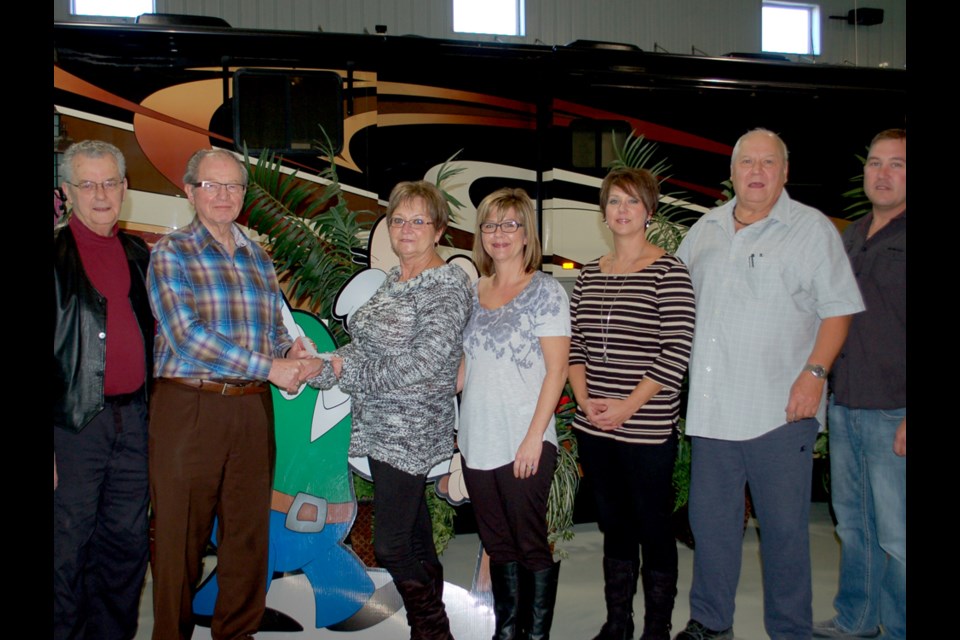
505	584
544	599
659	593
619	587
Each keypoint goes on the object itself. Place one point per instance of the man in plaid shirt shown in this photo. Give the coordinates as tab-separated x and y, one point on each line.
220	338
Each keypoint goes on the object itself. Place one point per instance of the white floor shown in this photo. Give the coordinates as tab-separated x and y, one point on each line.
580	609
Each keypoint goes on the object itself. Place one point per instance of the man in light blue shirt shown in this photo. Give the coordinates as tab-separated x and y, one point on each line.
775	294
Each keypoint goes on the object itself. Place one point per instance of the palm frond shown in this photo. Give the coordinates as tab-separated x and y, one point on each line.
637	152
727	192
861	204
311	230
447	171
672	219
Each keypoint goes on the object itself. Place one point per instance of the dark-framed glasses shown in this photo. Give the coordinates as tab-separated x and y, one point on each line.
213	188
507	226
397	222
89	186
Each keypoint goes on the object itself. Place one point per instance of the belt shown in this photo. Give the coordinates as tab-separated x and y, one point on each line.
327	512
223	387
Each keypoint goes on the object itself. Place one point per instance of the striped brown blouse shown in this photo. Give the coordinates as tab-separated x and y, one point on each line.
626	327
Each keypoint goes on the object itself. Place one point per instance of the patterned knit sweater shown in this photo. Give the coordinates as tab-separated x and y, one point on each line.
401	368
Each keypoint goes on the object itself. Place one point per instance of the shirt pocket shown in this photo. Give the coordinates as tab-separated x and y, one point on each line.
769	278
890	268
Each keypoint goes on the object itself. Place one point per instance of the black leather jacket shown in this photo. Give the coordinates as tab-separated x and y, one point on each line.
80	325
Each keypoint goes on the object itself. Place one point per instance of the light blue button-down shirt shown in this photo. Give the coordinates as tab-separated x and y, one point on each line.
761	294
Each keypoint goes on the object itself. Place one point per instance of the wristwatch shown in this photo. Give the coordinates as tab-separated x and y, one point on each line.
817	370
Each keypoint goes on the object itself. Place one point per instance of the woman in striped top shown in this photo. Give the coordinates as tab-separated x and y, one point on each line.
632	315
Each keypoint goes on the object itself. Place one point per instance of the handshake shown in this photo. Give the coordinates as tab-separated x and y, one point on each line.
301	364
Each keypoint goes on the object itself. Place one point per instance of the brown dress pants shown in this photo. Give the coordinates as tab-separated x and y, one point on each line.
210	456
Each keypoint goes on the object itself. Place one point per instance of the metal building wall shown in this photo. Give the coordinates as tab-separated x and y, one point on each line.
711	27
882	44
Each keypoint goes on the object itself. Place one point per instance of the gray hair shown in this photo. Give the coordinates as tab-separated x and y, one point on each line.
780	142
90	149
193	164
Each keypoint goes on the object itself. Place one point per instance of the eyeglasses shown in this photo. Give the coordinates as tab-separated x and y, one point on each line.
213	188
89	186
507	226
417	223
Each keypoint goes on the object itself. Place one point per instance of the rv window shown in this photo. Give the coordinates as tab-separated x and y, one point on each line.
499	17
790	27
284	111
592	142
125	9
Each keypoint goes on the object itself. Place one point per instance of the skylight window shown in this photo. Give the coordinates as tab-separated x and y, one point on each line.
497	17
115	8
791	28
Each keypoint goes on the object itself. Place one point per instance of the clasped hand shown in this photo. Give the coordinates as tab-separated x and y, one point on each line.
300	365
608	414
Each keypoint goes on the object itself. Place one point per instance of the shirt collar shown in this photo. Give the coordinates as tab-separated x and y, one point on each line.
204	238
780	212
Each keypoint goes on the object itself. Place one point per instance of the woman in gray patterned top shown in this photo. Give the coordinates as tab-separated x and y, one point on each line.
515	356
401	371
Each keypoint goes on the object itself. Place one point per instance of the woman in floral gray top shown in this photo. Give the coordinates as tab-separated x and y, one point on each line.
515	356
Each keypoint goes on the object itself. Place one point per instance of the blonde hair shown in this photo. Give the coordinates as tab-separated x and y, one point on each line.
498	204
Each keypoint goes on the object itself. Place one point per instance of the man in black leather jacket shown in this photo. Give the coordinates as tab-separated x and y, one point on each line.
102	346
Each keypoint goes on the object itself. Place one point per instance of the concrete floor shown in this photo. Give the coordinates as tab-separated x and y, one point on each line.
580	608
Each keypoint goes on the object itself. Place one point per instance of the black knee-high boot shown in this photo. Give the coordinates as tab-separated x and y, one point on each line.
544	599
435	571
505	583
619	587
659	593
426	614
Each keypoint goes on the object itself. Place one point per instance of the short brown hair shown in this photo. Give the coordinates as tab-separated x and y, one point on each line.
498	204
437	207
889	134
639	183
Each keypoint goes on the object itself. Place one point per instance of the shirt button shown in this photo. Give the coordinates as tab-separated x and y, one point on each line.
102	335
708	369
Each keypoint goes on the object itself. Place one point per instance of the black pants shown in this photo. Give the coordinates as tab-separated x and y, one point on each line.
634	497
100	543
512	513
403	534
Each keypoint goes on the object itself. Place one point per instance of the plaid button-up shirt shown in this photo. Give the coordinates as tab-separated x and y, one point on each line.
218	317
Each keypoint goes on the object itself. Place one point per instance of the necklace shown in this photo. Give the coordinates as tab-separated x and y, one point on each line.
741	222
605	323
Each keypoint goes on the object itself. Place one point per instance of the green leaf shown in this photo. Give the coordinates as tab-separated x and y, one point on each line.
311	230
672	219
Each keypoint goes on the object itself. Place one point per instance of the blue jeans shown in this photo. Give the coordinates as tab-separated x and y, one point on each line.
869	494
